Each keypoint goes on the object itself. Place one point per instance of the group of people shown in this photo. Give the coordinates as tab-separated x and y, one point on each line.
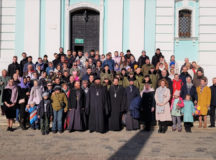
87	91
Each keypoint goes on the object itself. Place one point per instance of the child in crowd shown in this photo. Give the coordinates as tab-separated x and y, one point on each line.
176	105
188	112
32	109
45	113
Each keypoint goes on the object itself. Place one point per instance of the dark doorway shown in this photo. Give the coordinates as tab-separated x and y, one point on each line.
84	27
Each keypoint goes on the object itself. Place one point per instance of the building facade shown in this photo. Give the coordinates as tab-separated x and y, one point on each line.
184	28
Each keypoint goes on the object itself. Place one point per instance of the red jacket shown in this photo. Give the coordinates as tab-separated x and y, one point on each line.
177	85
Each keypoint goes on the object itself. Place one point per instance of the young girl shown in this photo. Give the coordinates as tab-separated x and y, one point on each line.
177	104
188	112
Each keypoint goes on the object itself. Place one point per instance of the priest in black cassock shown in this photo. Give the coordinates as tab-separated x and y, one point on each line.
132	92
97	107
117	97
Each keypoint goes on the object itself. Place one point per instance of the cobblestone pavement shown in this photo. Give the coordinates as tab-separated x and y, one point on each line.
124	145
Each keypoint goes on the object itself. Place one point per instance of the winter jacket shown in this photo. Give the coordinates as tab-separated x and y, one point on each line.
213	95
41	111
188	111
134	107
177	85
57	99
204	99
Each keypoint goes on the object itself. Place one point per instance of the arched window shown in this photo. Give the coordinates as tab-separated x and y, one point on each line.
185	23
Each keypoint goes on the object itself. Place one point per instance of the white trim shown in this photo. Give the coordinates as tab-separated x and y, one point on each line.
193	20
83	5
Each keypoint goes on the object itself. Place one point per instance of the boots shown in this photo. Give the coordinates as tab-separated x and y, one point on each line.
160	127
22	124
164	127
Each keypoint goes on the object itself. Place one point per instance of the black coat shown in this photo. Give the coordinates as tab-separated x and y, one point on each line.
141	60
183	76
193	92
12	68
41	109
117	104
97	108
146	104
22	63
72	99
213	95
156	59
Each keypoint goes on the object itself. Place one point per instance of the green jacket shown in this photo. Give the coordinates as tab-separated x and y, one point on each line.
3	83
57	98
146	68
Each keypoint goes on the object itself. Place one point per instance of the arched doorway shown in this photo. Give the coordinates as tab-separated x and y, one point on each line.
84	30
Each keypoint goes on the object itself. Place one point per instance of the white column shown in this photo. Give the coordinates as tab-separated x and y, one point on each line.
115	19
32	23
136	28
52	27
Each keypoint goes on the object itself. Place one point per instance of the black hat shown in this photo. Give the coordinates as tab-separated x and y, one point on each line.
97	78
57	87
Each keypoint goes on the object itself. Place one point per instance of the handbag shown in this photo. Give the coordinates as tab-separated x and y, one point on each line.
21	101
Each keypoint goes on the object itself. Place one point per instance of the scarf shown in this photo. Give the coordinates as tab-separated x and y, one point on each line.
23	85
14	94
189	86
201	88
146	91
161	91
36	95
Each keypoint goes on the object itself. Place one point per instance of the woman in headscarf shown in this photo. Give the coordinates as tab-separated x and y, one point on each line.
10	95
36	93
204	100
162	97
147	105
24	92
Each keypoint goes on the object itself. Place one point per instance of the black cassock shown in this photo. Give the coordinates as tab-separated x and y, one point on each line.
117	97
131	123
97	108
146	104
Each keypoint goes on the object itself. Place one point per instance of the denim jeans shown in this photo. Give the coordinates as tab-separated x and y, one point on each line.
17	114
57	120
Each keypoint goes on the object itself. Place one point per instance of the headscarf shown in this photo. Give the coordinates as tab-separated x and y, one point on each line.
14	94
22	85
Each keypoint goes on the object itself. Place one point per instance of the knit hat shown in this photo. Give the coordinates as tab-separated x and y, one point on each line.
45	94
177	93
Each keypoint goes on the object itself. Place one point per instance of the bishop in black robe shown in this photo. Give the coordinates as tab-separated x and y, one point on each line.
97	107
117	96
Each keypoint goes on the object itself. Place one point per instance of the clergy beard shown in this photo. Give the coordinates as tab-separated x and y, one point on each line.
97	85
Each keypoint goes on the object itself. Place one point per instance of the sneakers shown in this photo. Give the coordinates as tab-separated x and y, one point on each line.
211	126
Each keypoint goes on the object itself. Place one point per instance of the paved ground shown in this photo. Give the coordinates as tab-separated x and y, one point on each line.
124	145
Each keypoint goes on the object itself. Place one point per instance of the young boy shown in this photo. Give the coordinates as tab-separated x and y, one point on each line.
45	113
188	112
32	109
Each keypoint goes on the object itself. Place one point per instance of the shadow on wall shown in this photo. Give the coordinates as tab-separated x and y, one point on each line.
133	147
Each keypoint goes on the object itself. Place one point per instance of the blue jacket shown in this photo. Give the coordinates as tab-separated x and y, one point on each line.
110	63
134	107
188	110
